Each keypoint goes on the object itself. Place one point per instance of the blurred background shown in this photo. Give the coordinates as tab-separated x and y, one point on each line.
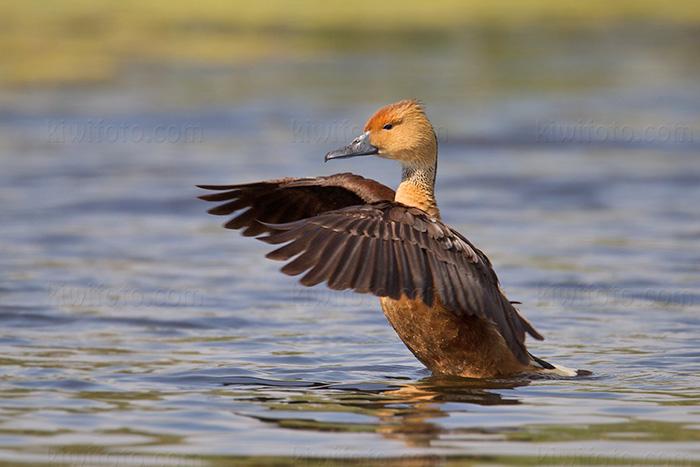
133	328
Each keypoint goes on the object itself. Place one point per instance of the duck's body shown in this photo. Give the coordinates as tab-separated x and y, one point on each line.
437	290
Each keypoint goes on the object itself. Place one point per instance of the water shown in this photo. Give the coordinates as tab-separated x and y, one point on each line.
134	330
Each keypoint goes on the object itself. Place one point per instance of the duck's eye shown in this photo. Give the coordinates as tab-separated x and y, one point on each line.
388	126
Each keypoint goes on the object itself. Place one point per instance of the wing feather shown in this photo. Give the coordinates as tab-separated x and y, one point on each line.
363	279
342	277
321	270
310	256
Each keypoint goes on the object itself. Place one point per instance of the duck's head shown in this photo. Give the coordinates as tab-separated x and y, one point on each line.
398	131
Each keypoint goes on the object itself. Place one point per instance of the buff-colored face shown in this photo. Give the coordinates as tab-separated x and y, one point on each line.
402	132
398	131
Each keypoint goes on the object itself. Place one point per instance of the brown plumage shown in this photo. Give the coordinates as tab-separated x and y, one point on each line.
438	291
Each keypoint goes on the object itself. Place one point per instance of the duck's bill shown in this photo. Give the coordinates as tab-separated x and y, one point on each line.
360	146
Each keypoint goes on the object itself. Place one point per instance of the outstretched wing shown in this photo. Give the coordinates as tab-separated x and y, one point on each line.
291	199
392	250
348	231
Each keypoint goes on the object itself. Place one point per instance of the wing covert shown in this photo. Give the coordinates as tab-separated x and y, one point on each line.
290	199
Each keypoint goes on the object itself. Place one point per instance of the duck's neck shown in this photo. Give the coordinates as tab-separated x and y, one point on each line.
417	187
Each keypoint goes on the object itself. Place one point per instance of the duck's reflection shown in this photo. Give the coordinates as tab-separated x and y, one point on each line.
410	412
407	412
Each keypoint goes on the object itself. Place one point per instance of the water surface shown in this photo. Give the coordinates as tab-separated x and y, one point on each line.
135	330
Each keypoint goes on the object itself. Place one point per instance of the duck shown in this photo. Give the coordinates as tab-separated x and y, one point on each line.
437	290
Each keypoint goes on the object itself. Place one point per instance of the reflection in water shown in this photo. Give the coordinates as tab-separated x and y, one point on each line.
423	401
433	415
401	413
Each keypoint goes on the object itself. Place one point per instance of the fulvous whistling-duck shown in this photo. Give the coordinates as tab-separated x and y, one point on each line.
437	290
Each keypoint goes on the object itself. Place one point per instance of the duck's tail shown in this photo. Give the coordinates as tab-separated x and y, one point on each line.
547	368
